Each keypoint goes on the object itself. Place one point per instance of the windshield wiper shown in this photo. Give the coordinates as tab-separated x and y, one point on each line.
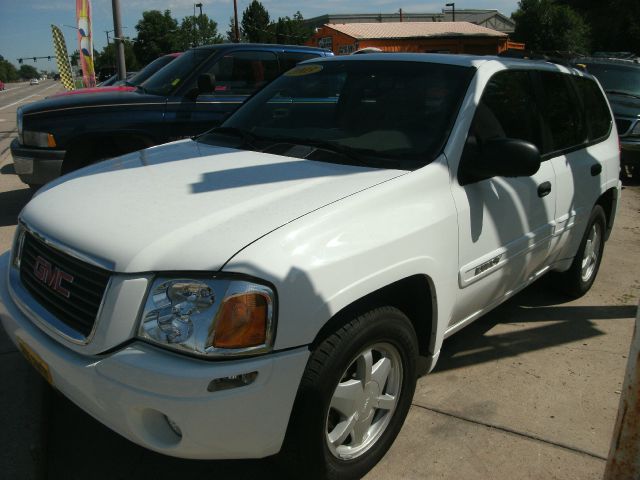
321	144
246	136
622	92
358	156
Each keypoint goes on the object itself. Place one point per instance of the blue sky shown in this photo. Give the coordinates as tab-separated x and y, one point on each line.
25	24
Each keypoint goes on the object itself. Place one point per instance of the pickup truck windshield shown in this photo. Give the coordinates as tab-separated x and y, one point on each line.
167	79
388	114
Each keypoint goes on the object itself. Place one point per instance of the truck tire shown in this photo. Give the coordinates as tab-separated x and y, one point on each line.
577	281
353	398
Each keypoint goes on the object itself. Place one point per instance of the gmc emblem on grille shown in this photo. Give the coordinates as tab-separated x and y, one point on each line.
52	276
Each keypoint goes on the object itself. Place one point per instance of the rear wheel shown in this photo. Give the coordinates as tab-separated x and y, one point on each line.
580	277
353	398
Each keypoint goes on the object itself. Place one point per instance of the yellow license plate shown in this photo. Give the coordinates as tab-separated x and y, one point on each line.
34	359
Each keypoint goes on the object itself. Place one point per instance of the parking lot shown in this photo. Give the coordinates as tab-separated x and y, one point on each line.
529	391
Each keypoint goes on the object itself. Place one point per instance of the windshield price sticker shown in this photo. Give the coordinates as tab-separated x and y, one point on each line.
302	70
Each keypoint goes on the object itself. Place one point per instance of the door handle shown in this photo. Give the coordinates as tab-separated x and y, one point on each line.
596	169
544	189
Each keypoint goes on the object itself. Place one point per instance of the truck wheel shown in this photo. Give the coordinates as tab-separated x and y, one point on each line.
353	398
578	279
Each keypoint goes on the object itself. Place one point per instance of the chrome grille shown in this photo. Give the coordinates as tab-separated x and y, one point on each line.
66	287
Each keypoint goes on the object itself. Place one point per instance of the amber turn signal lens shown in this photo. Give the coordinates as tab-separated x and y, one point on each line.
51	141
242	321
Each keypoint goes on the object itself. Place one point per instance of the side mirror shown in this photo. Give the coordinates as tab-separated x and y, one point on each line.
206	83
500	157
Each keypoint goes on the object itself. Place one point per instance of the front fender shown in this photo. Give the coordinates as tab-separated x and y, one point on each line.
334	256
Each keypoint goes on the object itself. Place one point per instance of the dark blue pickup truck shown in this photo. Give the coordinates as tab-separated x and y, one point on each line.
192	94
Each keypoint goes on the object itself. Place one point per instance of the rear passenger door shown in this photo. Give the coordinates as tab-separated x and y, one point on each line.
575	120
505	224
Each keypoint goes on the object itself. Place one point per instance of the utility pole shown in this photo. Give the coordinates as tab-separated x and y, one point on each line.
453	5
236	30
117	37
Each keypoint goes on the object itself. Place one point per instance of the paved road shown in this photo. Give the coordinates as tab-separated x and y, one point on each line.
530	391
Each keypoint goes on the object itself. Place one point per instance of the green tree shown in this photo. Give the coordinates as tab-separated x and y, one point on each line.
157	35
106	59
545	25
255	23
615	25
8	72
231	36
290	31
194	31
28	71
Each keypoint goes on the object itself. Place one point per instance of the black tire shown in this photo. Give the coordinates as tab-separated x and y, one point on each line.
575	282
390	337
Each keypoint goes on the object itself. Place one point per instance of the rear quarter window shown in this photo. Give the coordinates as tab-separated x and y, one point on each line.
562	113
595	107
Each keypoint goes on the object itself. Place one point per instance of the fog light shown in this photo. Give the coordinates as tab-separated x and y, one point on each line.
174	426
233	381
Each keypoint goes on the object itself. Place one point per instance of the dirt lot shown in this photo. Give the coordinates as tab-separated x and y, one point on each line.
530	391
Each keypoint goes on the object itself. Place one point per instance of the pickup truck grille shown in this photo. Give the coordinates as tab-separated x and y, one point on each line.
68	288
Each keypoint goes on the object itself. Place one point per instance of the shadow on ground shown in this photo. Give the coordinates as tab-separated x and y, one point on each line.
84	448
8	169
87	449
546	321
12	203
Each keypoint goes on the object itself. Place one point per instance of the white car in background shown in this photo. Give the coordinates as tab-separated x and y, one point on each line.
34	81
268	286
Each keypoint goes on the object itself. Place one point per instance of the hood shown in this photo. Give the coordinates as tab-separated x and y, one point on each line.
186	205
115	88
103	99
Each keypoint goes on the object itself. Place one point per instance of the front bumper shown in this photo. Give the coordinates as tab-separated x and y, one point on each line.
36	166
134	390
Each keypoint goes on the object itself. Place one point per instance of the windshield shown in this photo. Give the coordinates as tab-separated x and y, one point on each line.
375	113
173	75
149	70
617	78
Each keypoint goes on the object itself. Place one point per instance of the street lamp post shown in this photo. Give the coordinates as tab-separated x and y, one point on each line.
193	29
453	6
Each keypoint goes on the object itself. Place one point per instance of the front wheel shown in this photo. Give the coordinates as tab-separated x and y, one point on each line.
580	277
353	397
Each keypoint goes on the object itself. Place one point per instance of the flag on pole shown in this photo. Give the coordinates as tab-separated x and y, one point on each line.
62	58
83	16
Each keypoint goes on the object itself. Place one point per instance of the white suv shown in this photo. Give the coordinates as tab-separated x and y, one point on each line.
268	286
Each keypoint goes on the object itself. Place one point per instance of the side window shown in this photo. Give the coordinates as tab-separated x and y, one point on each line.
595	108
288	60
242	73
561	112
507	109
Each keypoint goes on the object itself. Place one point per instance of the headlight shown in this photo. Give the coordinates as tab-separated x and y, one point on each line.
38	139
209	316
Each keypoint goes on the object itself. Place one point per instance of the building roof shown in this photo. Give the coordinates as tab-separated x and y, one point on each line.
363	31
